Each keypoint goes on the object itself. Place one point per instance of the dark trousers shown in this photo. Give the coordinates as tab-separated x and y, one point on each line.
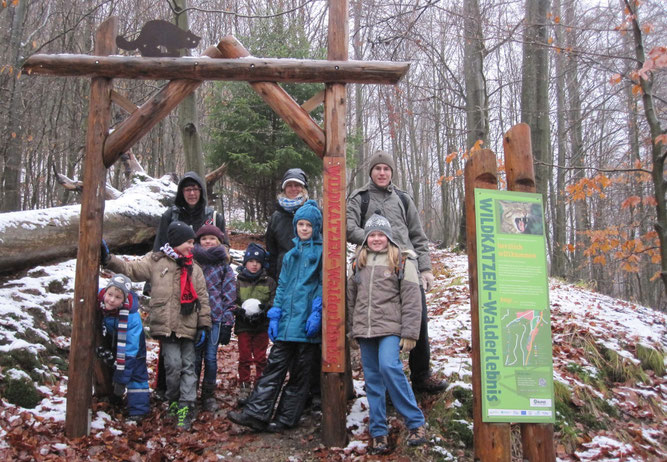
297	358
252	350
420	356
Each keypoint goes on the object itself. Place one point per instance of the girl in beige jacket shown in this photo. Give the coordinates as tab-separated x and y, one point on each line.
384	313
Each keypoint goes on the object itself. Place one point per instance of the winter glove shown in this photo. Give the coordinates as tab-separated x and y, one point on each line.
427	277
239	312
407	344
200	338
225	334
353	342
105	255
314	322
274	315
118	389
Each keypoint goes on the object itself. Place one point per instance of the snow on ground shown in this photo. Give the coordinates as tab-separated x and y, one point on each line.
27	306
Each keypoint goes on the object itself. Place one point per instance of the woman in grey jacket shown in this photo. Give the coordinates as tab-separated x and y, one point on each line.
384	313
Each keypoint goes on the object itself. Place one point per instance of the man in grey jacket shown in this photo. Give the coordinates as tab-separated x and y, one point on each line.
380	196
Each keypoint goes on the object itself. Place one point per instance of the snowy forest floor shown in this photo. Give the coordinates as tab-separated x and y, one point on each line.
609	373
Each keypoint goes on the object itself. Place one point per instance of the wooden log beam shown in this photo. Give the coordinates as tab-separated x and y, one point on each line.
80	376
279	100
313	102
491	440
123	102
142	120
334	367
248	69
537	439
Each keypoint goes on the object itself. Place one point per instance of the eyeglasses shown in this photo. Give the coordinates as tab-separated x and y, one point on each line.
192	189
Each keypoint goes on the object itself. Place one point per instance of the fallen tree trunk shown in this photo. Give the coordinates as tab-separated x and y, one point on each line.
32	237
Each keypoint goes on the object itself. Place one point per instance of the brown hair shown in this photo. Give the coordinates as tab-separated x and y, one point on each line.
393	255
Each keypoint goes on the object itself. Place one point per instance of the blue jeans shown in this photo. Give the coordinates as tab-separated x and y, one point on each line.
383	371
210	355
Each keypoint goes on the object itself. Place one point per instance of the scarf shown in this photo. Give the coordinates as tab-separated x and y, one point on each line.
189	299
121	339
248	275
212	256
291	205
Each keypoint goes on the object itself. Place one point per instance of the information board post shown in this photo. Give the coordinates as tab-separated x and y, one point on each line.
537	439
491	440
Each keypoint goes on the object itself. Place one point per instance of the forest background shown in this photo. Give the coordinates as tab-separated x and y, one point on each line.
587	76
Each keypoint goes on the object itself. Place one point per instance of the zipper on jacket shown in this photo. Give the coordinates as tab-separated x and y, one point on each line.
370	296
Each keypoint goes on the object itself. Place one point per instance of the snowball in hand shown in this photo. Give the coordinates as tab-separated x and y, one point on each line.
251	307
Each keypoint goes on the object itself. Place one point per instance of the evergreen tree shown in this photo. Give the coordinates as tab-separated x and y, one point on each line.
252	139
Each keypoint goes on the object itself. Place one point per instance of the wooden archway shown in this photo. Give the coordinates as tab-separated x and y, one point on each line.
185	75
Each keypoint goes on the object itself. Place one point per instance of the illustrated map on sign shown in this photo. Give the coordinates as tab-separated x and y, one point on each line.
527	338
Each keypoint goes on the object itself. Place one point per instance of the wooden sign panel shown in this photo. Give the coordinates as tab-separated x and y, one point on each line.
333	272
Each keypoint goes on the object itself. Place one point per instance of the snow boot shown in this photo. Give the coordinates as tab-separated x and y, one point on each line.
208	402
245	388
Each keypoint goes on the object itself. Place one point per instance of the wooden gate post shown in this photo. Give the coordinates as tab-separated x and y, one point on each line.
334	404
491	440
537	439
80	376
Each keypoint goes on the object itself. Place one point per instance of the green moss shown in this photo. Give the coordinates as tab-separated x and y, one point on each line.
454	422
57	287
652	359
20	359
21	392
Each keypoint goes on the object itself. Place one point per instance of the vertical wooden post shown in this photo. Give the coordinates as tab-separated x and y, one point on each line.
79	387
492	440
334	404
537	439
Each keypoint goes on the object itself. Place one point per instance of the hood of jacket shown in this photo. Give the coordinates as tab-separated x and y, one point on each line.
311	212
180	198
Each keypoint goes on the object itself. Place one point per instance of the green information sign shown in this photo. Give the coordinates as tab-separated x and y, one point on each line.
514	317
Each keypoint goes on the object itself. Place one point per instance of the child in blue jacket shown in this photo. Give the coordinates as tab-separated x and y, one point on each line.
123	337
295	323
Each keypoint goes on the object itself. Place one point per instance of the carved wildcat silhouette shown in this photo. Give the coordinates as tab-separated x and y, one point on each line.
515	216
158	34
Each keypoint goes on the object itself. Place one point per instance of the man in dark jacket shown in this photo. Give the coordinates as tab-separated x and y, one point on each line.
380	195
190	207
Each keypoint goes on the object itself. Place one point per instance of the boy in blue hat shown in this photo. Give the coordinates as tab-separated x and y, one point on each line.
295	323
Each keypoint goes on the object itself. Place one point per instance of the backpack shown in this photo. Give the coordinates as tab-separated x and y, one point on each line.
366	199
210	214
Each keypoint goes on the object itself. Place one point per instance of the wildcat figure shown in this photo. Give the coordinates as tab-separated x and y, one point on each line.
514	218
159	34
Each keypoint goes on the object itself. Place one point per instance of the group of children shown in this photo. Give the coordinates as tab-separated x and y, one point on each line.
196	299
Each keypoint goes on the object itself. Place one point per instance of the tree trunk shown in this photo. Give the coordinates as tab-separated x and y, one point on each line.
658	148
188	119
131	219
581	221
473	68
11	178
535	87
558	255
